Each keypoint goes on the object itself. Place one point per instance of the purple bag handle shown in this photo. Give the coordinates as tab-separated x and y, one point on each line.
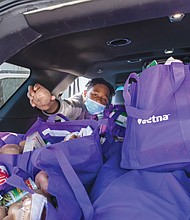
52	117
39	122
116	114
126	93
179	76
76	185
17	181
184	124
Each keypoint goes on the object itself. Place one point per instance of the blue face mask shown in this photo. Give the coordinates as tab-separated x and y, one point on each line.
94	107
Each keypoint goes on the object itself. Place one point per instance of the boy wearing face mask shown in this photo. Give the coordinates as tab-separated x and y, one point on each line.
92	102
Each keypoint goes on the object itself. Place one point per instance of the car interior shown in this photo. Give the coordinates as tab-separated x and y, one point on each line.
62	40
131	162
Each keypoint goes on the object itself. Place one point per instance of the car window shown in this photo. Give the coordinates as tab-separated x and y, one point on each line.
77	86
11	78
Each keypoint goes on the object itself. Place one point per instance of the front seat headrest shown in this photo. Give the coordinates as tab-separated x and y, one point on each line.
118	97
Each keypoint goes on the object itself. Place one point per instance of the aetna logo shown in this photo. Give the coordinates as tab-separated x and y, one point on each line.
154	119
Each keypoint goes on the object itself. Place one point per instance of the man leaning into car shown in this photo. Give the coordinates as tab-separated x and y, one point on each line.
91	102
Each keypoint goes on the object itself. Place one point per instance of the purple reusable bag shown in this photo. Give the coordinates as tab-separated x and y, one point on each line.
113	131
145	195
112	113
53	131
84	153
15	160
108	172
64	183
10	161
17	180
10	138
157	133
20	161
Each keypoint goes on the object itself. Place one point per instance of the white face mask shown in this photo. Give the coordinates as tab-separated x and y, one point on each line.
94	107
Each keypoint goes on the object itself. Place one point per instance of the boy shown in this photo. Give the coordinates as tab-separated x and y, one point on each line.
91	102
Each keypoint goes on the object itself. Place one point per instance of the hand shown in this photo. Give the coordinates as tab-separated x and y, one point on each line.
41	98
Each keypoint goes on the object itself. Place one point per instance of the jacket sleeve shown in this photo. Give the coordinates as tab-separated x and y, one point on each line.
70	109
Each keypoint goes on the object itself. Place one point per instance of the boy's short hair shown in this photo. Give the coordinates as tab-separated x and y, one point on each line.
95	81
